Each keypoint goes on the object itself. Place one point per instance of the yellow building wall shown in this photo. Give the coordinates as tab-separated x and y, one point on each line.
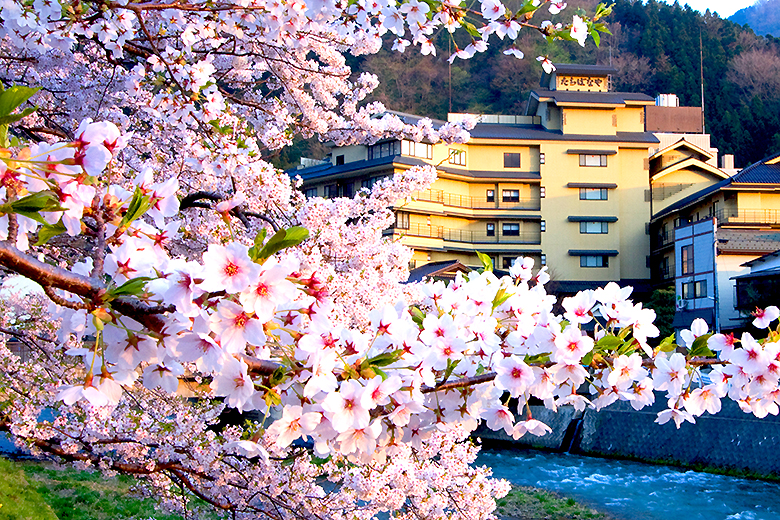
634	213
486	156
673	182
631	119
589	121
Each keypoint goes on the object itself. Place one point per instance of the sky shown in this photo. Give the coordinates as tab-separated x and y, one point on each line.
724	8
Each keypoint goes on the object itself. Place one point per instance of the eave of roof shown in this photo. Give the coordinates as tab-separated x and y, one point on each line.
691	162
680	143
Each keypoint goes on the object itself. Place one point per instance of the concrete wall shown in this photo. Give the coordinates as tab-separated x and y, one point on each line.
731	440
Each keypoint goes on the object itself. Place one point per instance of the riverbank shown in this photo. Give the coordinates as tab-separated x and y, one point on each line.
529	503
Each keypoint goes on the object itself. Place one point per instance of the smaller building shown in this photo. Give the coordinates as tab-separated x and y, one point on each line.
709	227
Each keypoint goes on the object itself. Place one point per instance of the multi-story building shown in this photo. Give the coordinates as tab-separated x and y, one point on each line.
707	226
564	183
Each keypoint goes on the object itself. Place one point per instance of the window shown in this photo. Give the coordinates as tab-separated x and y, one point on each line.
458	157
543	226
594	261
691	290
544	259
542	192
686	259
401	220
421	150
369	183
507	261
331	191
593	193
510	196
388	149
490	195
310	192
348	189
491	229
594	228
593	160
541	158
511	230
511	160
339	160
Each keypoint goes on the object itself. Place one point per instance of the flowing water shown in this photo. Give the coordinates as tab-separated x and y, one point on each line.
635	491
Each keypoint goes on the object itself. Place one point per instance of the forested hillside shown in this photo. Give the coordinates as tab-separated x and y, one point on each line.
654	47
763	17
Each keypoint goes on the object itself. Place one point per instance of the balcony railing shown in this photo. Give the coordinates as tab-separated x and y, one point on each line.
662	239
469	202
748	216
465	235
477	237
663	272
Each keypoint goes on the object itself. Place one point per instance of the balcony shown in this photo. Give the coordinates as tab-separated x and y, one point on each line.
729	217
469	202
662	239
663	272
465	235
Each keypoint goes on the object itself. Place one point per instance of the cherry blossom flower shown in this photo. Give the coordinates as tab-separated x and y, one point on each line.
513	375
227	268
765	316
235	328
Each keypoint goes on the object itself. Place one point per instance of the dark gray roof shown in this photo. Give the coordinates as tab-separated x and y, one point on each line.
588	218
601	98
748	241
539	133
589	252
433	268
760	172
774	271
761	259
327	170
756	173
576	68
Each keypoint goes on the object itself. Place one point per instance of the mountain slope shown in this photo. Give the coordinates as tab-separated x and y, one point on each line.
763	17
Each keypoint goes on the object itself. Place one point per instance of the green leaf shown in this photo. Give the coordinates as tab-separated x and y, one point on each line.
667	344
472	30
13	97
537	358
49	231
596	37
609	342
587	359
487	262
528	7
501	297
700	348
139	204
131	287
283	239
13	118
386	358
417	315
35	202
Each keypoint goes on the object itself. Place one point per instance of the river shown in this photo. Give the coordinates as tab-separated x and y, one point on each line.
637	491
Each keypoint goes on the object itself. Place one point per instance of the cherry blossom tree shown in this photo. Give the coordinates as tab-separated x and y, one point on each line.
181	274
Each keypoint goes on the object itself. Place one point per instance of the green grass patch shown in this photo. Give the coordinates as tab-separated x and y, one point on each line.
527	503
40	491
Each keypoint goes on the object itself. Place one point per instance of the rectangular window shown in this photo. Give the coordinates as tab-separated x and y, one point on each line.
544	259
458	157
594	261
510	196
413	149
490	195
490	229
401	220
687	291
348	189
542	192
700	289
339	160
511	230
310	192
331	191
388	149
593	160
543	226
541	158
507	261
511	160
594	193
594	228
686	259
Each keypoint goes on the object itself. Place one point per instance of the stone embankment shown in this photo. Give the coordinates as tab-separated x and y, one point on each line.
730	441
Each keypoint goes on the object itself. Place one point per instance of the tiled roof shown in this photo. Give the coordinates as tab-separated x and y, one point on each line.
327	170
759	173
602	98
539	133
433	268
757	241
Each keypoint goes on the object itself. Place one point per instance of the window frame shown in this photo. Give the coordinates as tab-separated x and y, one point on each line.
598	261
603	193
512	160
415	149
402	220
490	229
588	160
514	195
686	260
457	157
490	195
512	227
311	192
588	227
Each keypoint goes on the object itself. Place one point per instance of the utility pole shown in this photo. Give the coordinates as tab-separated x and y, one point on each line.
701	72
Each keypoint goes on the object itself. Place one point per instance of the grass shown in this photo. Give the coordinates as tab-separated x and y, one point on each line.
37	491
527	503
